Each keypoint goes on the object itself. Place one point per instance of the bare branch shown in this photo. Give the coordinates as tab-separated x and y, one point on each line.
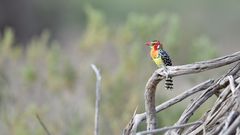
98	98
184	95
159	74
200	66
42	124
150	101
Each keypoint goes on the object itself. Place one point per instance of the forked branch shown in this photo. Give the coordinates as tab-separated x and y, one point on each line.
159	75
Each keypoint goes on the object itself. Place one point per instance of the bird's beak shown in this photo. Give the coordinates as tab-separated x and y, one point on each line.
148	43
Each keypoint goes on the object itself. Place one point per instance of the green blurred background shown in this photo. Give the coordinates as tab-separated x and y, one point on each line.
46	48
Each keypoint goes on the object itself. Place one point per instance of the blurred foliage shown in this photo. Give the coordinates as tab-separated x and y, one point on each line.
202	49
60	82
96	30
29	74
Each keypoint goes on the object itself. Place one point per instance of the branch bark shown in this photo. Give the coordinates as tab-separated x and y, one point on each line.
159	74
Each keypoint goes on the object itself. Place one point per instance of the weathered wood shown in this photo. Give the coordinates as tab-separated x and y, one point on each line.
221	83
150	101
159	74
210	87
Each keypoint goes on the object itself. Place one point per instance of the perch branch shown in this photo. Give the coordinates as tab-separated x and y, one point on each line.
159	74
98	97
200	66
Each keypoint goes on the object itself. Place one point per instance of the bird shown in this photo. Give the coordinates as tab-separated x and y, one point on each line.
161	59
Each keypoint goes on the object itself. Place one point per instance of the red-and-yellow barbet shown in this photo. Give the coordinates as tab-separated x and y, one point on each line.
161	58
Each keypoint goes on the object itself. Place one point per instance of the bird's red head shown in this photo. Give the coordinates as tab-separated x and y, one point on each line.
155	43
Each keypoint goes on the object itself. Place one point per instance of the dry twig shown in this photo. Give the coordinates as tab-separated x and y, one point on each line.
98	97
43	125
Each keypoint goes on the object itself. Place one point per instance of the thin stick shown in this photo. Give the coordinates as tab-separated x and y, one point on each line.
169	128
128	129
98	97
200	87
42	124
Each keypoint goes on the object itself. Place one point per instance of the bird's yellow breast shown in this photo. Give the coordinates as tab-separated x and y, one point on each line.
158	61
154	54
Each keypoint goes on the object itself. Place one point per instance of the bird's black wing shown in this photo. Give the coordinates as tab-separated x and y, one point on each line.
165	58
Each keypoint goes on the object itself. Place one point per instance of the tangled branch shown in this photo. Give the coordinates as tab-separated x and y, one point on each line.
209	87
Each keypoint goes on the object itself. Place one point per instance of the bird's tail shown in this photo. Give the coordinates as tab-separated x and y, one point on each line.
169	83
